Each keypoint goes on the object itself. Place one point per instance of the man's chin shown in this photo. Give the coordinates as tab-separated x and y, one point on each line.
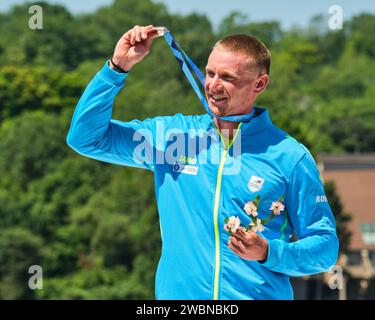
216	111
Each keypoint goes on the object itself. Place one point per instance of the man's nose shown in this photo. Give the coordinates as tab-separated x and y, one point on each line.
215	83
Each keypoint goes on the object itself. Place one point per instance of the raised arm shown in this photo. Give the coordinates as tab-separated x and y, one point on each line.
93	132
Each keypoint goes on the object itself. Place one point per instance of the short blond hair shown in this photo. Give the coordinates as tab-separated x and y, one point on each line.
251	47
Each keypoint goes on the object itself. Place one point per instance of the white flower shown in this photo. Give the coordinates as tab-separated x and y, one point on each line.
233	224
258	226
277	207
251	209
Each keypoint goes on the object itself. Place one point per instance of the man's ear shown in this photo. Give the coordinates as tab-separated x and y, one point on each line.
262	83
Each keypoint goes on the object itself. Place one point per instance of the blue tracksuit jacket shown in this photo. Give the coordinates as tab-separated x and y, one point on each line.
200	180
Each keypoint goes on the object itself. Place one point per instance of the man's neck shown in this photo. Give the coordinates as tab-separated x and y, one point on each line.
226	128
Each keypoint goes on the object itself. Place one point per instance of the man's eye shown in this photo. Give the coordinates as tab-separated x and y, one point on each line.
228	78
210	74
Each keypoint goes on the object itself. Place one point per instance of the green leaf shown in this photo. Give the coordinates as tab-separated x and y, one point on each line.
253	219
256	200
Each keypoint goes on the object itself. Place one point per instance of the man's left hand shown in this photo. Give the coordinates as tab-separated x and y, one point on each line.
248	245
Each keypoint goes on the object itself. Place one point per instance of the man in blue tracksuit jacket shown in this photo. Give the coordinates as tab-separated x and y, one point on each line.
207	169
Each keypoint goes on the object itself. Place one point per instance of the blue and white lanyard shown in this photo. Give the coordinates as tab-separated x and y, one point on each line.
181	56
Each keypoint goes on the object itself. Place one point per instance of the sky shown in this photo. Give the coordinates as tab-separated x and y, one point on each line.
288	12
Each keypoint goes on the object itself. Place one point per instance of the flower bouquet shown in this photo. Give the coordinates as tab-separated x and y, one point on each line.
233	223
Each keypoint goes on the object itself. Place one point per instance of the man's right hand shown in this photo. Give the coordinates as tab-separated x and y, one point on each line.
133	46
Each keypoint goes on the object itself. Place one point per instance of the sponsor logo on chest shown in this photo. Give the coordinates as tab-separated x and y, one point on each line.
186	165
255	183
184	168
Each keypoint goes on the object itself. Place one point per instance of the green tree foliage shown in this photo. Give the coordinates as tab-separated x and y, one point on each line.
49	200
236	22
30	147
54	45
19	250
36	88
364	41
96	283
93	227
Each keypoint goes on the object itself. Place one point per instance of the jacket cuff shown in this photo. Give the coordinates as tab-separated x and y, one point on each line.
275	250
112	76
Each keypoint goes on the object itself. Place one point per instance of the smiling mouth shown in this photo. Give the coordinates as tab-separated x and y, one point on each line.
216	98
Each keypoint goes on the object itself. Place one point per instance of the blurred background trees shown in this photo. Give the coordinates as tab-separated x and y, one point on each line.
94	227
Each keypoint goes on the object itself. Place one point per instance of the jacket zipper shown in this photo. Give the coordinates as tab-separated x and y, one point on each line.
216	225
216	211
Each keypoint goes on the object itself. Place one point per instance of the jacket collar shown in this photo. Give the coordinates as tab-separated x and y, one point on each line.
260	122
